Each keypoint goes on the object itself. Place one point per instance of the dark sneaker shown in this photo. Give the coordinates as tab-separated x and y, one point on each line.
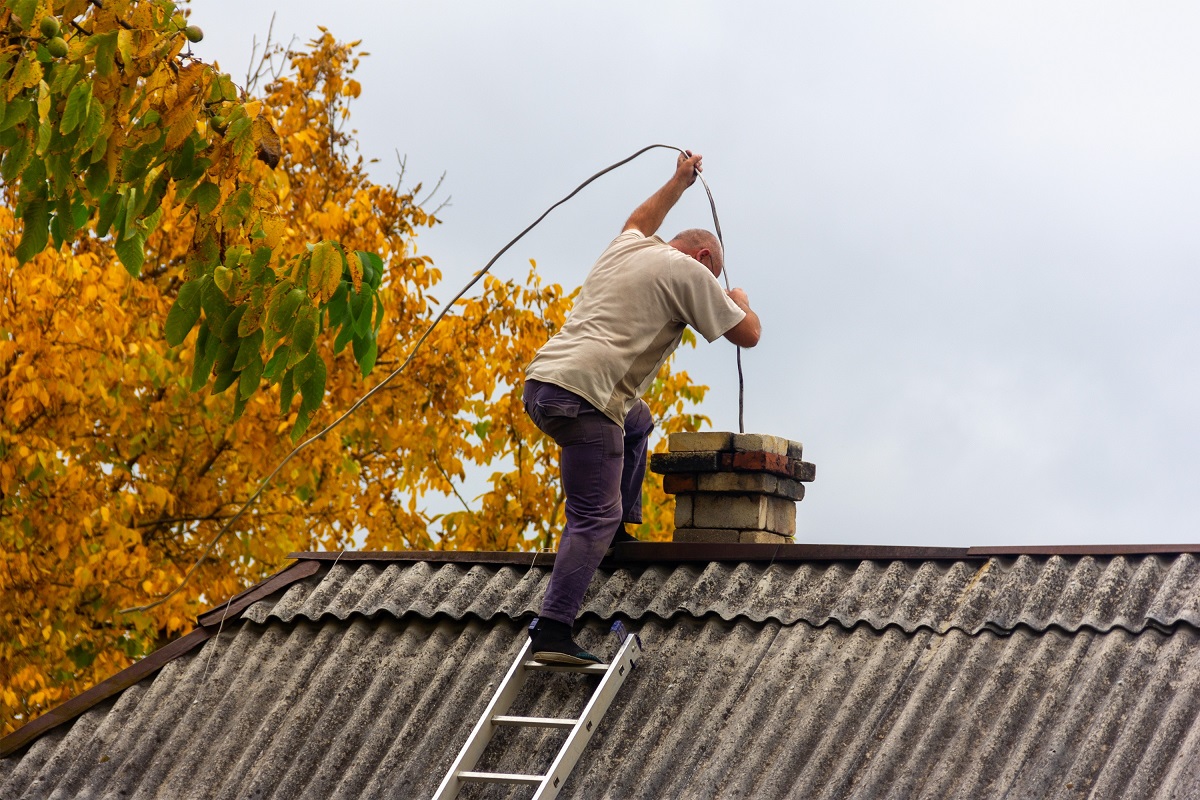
622	536
552	644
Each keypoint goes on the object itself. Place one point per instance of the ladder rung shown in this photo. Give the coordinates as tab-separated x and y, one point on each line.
535	722
590	669
502	777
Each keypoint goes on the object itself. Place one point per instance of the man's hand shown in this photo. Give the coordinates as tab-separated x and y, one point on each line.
747	332
650	215
687	166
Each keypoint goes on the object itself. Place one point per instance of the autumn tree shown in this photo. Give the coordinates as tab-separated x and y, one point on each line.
190	276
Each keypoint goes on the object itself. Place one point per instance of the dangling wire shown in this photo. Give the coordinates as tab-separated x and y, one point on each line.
721	239
478	275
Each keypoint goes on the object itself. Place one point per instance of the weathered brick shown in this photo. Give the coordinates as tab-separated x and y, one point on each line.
760	442
684	503
740	482
708	441
795	451
678	484
704	535
764	537
756	461
804	471
744	512
665	463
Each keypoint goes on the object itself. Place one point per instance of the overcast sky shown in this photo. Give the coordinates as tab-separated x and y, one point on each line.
970	230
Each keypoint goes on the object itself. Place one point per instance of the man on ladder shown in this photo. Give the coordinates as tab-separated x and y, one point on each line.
584	387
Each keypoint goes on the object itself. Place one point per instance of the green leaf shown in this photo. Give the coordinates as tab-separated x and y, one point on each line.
36	232
229	331
207	347
312	389
239	405
137	163
216	307
105	45
109	205
15	112
360	310
206	196
76	112
64	79
337	306
185	160
250	377
80	212
366	355
25	10
223	381
260	259
302	423
237	206
375	263
248	351
226	355
343	338
45	131
184	313
287	391
277	362
90	132
132	252
96	179
16	159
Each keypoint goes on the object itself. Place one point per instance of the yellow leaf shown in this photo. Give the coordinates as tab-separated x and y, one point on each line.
125	46
325	259
26	74
356	270
273	227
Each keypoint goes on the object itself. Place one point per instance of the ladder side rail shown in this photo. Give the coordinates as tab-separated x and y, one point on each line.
618	670
481	734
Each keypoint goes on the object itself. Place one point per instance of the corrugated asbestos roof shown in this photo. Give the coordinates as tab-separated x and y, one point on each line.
1132	593
1027	677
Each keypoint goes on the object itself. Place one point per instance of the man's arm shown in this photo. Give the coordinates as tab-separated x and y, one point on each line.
650	215
747	332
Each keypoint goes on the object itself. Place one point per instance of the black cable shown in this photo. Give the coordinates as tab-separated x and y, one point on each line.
478	275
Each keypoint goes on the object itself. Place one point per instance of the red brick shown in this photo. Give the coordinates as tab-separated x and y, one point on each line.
680	483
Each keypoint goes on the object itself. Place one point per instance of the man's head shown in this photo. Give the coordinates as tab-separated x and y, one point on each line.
702	246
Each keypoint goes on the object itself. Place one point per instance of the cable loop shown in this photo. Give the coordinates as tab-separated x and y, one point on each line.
441	315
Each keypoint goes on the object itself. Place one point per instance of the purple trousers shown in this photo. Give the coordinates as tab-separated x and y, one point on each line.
602	471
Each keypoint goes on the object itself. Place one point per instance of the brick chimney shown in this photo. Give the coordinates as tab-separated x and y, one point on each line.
734	487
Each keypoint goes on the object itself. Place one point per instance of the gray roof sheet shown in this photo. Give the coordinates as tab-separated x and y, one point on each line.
1071	593
1027	677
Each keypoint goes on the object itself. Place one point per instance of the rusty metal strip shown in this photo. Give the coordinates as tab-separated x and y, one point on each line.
664	553
516	558
104	690
1087	550
240	602
683	552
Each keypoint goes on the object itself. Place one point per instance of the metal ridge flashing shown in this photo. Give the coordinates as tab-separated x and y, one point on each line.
683	552
659	552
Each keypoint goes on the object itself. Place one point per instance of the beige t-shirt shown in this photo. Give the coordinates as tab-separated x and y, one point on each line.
628	319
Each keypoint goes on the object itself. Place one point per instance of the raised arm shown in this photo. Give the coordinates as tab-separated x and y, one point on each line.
747	332
650	215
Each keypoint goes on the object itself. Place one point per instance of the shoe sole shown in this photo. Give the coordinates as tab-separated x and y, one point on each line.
551	657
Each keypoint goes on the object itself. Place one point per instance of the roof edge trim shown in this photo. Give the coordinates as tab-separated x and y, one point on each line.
208	624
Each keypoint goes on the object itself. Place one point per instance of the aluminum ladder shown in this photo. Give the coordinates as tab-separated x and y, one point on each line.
462	771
